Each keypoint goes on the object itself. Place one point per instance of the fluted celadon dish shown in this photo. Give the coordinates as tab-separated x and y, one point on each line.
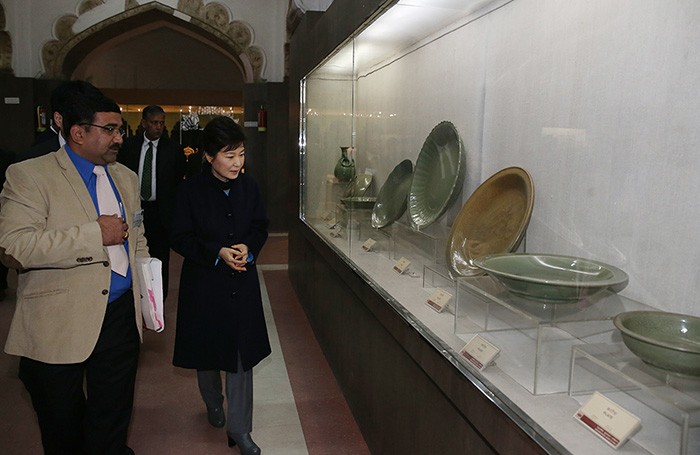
438	175
493	220
670	341
552	278
392	198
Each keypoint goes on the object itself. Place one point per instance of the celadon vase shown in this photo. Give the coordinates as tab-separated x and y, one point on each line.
345	167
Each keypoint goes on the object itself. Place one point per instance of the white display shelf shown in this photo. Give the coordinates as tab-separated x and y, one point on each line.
535	338
667	404
399	240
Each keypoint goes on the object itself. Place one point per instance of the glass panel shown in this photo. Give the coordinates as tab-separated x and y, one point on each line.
599	107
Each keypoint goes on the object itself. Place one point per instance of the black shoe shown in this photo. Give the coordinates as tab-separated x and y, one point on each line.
216	417
245	444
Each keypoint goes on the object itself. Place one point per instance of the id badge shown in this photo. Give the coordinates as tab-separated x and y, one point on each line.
138	218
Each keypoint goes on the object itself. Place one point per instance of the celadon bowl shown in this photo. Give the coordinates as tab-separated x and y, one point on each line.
392	197
438	175
358	186
552	278
669	341
492	221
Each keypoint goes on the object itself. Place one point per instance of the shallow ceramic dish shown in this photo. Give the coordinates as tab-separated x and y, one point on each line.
552	278
359	202
358	186
391	200
438	175
493	220
670	341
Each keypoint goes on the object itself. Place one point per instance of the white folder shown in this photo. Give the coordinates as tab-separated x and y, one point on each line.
150	272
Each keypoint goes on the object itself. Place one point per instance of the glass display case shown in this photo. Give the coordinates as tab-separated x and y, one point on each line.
669	405
536	338
556	102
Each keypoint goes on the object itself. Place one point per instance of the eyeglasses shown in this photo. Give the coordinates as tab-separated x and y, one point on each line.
111	129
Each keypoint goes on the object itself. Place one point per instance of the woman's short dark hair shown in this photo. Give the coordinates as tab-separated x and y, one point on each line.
221	133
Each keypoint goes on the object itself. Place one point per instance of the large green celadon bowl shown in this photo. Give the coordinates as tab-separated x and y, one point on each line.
552	278
438	175
392	197
670	341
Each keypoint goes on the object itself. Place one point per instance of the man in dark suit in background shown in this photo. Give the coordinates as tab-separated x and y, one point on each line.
160	164
52	139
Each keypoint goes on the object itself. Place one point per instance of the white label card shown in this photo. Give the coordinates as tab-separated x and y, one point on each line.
479	352
609	421
369	243
336	231
439	299
402	265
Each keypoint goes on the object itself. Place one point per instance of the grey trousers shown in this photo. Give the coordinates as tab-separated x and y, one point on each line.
239	397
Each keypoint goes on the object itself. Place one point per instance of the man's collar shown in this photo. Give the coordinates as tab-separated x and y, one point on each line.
146	140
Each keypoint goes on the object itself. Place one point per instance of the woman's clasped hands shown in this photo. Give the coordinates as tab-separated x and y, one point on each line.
235	256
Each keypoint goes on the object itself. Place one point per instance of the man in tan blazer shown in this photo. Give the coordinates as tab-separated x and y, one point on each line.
76	317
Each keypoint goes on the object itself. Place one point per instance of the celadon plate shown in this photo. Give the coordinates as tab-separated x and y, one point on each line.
392	197
552	278
359	202
669	341
493	220
438	175
358	186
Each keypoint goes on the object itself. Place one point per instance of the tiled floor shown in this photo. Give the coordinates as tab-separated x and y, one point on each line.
298	406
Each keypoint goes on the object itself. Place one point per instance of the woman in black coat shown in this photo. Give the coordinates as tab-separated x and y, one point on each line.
219	227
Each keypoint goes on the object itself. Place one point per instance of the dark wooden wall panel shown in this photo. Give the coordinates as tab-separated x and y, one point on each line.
397	405
268	159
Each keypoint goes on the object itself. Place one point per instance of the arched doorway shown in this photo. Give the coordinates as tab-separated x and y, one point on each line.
210	24
190	60
154	54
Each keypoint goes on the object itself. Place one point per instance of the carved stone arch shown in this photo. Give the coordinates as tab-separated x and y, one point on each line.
211	24
87	5
5	46
216	15
194	8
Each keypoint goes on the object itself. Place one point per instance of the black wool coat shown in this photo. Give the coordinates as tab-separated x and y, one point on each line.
220	310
